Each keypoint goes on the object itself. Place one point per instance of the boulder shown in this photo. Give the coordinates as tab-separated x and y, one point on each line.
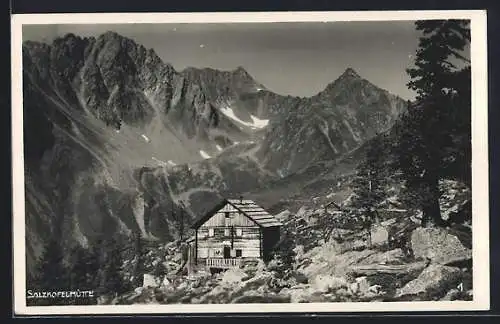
438	245
343	292
451	295
233	276
379	235
360	286
283	216
434	281
324	260
104	300
324	283
260	279
450	211
165	282
301	212
363	291
375	289
301	294
388	222
341	233
306	215
131	298
182	285
395	256
352	245
149	281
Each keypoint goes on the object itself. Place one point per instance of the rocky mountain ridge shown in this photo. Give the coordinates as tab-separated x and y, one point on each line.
334	122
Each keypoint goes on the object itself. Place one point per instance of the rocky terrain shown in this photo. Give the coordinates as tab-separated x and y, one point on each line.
116	139
324	257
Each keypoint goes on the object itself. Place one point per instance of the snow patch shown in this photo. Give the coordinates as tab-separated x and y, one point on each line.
204	154
325	130
160	162
256	122
354	135
171	162
145	138
259	123
218	147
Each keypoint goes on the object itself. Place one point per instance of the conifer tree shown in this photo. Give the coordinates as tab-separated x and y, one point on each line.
159	270
284	250
84	264
51	273
98	248
427	139
111	278
139	258
370	182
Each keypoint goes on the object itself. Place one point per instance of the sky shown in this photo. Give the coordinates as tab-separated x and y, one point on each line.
297	59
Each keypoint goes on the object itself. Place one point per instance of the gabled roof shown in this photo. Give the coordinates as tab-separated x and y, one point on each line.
189	239
333	203
247	207
255	212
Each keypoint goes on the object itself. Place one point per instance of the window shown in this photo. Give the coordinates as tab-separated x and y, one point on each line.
227	215
226	232
210	232
239	232
238	253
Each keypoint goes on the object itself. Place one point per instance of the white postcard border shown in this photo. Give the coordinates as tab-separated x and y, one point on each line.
480	191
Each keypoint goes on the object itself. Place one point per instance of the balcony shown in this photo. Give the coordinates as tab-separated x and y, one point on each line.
222	263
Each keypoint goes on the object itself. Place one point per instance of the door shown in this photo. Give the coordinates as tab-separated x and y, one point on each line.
227	252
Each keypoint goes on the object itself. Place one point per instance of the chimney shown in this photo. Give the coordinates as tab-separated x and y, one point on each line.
241	199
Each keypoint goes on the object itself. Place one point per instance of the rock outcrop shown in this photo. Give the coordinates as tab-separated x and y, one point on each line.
433	282
439	245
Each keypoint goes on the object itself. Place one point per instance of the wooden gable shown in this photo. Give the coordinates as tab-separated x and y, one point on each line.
228	215
241	213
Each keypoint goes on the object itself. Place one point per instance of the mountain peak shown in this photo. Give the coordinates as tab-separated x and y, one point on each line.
347	77
240	70
350	72
111	35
